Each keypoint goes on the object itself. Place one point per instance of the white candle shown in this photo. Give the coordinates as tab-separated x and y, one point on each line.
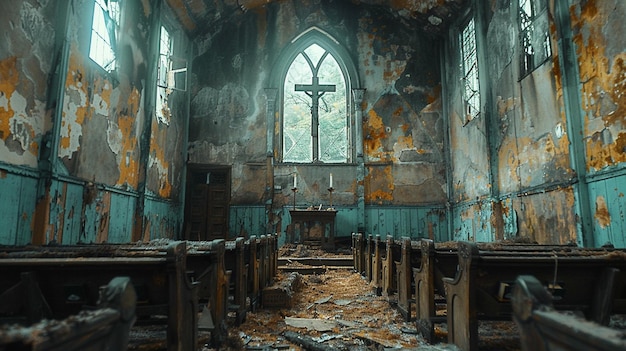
331	180
295	181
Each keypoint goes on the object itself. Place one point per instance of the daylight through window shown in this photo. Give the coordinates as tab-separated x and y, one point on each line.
104	28
315	119
163	90
471	90
535	36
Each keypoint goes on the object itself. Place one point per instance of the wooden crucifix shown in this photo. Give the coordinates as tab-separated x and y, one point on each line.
315	91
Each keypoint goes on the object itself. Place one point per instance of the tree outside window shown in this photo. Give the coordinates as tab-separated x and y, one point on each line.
534	35
311	66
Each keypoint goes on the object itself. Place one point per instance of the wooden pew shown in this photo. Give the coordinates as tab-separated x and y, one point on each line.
237	265
578	278
542	328
61	281
409	258
439	260
435	263
105	328
358	253
262	256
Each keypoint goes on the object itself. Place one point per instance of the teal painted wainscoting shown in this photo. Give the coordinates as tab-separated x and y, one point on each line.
247	220
472	221
164	218
607	196
18	194
414	222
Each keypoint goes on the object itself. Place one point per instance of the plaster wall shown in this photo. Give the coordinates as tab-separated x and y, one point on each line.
402	126
86	135
521	177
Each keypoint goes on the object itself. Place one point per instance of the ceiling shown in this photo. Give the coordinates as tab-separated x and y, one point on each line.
432	16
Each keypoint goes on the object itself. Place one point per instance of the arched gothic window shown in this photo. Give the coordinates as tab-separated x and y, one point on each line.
315	124
315	78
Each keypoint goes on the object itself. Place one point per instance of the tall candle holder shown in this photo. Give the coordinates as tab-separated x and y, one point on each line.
295	190
330	190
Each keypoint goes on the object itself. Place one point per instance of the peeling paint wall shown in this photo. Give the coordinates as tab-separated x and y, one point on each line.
513	169
26	40
402	125
517	145
598	29
93	188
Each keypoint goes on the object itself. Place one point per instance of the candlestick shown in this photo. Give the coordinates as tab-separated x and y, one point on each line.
295	181
331	180
330	190
295	190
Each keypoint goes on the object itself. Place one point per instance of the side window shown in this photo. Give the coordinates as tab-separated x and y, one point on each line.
469	69
104	29
171	75
315	118
534	35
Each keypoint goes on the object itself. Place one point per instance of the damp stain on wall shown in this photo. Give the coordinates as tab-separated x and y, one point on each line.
127	157
602	215
75	108
20	123
379	185
603	73
158	166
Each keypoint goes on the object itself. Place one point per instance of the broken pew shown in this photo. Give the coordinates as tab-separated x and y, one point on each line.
542	328
358	253
262	258
480	289
439	260
105	328
435	263
61	281
409	258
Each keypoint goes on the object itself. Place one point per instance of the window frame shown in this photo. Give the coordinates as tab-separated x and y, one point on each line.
470	111
277	81
168	79
314	69
109	44
528	61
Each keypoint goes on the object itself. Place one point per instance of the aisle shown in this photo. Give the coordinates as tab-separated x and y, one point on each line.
335	310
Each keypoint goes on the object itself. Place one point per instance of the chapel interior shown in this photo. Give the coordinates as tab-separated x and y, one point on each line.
125	121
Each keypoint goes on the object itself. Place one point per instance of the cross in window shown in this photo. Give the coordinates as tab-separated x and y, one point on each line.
315	91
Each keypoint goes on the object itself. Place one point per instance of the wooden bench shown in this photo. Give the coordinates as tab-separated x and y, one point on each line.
435	263
58	282
105	328
358	253
582	280
542	328
263	266
409	258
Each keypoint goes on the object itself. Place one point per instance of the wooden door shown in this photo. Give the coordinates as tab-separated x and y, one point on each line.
206	205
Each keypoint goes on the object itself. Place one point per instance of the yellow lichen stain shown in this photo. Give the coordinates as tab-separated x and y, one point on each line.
73	82
604	84
405	142
9	77
158	160
374	133
381	185
506	105
510	160
602	215
128	165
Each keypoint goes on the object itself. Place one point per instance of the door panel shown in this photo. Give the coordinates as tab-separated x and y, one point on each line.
206	208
